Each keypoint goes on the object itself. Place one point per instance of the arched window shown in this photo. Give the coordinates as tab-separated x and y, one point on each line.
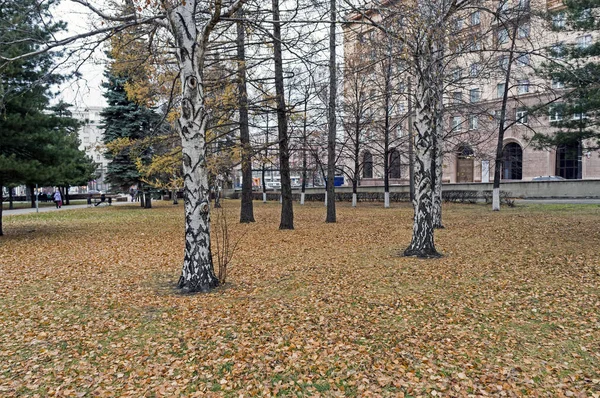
465	164
567	161
512	162
394	164
367	165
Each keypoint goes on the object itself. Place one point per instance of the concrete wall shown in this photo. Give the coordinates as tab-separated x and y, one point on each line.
521	189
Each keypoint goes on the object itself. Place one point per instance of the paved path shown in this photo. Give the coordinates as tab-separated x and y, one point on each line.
16	212
560	201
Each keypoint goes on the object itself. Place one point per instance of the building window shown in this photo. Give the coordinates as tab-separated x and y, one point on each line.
457	97
399	131
567	161
524	4
367	165
521	115
394	164
476	18
558	50
456	74
523	86
512	162
557	84
456	123
503	6
497	116
584	41
458	23
559	20
500	90
98	158
523	60
474	95
401	108
523	31
503	62
473	122
555	113
502	36
474	69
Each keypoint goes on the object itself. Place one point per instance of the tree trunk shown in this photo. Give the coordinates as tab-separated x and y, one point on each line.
247	210
148	199
287	211
197	272
141	195
331	136
501	126
1	208
10	198
422	244
67	197
304	146
174	194
411	152
439	148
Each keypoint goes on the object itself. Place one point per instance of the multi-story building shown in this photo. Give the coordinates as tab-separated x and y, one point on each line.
91	138
491	47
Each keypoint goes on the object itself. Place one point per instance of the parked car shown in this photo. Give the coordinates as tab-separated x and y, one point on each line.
548	178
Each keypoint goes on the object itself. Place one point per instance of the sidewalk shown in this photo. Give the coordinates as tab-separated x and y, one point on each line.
16	212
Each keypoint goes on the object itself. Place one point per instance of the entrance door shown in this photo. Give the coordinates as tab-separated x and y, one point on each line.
465	164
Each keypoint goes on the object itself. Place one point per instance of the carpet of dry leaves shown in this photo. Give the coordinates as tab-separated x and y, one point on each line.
88	306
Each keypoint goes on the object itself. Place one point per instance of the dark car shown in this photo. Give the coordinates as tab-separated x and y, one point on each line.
548	178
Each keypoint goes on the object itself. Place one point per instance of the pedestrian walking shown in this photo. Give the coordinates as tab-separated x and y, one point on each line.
57	199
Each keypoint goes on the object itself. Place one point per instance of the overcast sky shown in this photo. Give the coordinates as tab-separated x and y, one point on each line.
86	91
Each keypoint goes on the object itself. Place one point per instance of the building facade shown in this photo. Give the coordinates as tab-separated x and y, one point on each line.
487	53
91	142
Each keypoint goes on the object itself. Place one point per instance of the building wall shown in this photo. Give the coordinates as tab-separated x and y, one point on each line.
527	90
91	141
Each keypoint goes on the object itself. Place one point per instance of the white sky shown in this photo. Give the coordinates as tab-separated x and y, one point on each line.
85	91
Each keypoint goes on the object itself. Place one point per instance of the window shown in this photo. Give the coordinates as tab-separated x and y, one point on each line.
585	15
557	84
401	87
559	20
567	161
512	162
456	97
523	60
474	95
456	123
456	74
555	113
399	131
475	43
524	5
584	41
523	86
503	62
497	115
98	158
523	31
394	164
401	108
558	50
579	116
502	36
473	122
458	23
500	90
474	69
503	6
476	18
367	165
521	116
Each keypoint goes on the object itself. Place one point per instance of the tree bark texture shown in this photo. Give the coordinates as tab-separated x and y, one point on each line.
197	273
426	97
439	145
287	211
1	209
247	210
331	135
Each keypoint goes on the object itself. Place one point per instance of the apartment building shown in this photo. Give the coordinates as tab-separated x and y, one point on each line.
491	47
91	142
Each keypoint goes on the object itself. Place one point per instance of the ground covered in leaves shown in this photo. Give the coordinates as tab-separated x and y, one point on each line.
88	306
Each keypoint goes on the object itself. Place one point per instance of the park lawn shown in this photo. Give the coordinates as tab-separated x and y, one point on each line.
88	305
27	205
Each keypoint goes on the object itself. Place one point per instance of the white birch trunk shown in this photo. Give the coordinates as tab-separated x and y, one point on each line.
197	271
325	198
264	197
422	244
302	198
496	199
386	200
354	200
